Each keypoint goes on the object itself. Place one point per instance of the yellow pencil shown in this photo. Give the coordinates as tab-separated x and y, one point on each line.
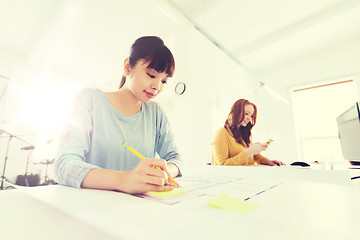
136	153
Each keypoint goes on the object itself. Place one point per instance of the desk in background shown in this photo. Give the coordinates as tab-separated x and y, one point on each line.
292	210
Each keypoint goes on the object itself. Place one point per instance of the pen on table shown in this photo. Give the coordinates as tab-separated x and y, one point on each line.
136	153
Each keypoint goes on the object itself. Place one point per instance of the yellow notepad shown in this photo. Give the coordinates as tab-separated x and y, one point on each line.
168	194
232	204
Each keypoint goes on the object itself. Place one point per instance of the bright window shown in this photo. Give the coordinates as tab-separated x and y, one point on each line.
316	108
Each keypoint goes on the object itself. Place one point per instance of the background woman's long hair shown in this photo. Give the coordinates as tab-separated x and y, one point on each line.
241	134
153	50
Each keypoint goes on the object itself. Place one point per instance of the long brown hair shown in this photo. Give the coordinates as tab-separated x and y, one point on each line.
241	134
153	50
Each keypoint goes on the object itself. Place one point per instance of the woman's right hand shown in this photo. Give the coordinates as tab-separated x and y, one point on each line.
257	148
145	177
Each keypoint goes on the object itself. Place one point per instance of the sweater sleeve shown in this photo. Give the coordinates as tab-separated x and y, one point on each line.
260	159
70	166
221	151
166	147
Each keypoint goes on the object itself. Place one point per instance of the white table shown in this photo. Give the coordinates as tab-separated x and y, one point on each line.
292	210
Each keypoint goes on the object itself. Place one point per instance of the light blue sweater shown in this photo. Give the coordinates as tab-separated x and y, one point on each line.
94	137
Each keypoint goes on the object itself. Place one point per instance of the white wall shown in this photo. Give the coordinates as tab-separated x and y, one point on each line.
4	81
275	120
213	82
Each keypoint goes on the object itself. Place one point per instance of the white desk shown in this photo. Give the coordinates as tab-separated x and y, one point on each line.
291	210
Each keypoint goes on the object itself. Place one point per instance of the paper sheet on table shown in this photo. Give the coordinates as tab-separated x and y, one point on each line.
232	204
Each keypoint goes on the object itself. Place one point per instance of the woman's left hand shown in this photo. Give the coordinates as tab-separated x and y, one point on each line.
275	163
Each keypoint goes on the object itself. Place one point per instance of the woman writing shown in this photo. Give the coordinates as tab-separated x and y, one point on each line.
232	144
91	154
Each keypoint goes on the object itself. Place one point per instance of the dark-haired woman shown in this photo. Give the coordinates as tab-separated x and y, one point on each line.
232	144
91	154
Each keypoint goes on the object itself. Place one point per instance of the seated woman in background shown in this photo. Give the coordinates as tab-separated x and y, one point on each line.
232	144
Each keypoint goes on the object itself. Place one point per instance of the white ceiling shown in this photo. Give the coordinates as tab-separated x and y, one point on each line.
87	37
264	33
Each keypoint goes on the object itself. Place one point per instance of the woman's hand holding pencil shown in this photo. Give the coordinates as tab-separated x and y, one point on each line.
149	168
144	177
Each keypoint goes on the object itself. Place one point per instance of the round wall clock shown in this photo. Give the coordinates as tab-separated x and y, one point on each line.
180	88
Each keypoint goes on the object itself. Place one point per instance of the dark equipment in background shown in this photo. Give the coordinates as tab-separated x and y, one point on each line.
301	164
47	162
3	178
28	180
